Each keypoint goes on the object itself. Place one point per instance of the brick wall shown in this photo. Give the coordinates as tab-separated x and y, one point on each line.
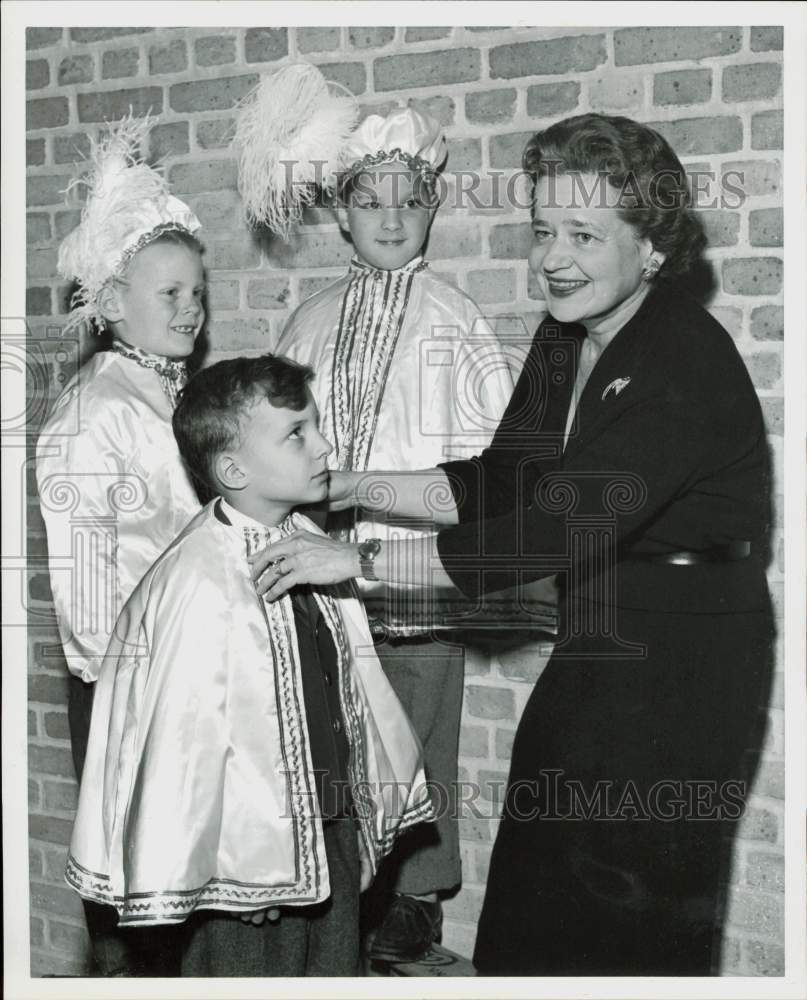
715	92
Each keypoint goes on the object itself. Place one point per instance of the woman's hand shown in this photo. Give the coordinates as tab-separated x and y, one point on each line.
303	557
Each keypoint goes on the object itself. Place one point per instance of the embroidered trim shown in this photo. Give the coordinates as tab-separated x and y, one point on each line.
173	374
415	163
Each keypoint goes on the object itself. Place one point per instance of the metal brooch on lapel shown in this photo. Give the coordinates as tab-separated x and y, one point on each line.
617	385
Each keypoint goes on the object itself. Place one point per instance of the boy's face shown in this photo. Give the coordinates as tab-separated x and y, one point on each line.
281	460
157	304
386	216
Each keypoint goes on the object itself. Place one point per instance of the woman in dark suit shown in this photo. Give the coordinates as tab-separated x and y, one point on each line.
632	462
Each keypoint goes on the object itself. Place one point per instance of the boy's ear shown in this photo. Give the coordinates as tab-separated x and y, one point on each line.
229	473
109	303
341	218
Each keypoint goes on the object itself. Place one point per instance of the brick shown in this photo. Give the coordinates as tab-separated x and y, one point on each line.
204	175
214	50
42	263
684	86
223	295
55	862
506	150
767	38
765	368
37	926
465	906
510	241
37	74
756	912
104	34
754	178
60	796
171	58
310	249
547	99
46	112
492	785
764	958
752	83
426	34
489	106
767	130
231	255
34	152
318	39
765	227
33	724
37	301
72	938
242	335
50	963
76	69
370	37
492	285
215	133
774	415
34	795
767	323
41	38
37	227
71	148
450	243
116	63
464	154
694	136
426	69
350	74
752	276
730	956
50	828
48	689
489	702
171	139
50	760
210	95
759	824
577	53
652	45
766	871
616	92
770	779
55	899
265	44
56	726
473	828
440	108
504	743
112	105
216	210
473	741
268	293
722	228
481	864
65	222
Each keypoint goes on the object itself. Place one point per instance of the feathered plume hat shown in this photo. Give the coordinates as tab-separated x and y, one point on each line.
296	132
128	206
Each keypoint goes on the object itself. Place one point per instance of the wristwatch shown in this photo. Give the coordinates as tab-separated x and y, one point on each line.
367	552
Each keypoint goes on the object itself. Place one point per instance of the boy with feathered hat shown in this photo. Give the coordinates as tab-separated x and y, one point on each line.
113	489
406	371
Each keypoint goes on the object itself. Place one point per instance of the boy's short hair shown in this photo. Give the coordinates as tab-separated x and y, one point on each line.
212	405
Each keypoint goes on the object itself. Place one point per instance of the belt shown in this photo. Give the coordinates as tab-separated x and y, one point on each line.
732	552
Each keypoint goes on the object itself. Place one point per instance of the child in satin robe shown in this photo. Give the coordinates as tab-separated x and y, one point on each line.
113	490
249	764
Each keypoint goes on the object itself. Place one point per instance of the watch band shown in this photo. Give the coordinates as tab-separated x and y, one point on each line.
368	550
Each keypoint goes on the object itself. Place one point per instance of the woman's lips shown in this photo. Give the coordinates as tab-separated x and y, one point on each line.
562	289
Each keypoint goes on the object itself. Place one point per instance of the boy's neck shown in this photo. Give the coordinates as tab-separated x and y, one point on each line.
415	261
266	512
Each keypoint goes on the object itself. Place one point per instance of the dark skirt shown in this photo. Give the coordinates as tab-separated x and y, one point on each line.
627	779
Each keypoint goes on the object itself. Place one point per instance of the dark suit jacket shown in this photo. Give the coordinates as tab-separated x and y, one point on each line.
676	459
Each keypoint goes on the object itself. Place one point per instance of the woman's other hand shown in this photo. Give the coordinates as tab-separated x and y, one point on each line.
303	557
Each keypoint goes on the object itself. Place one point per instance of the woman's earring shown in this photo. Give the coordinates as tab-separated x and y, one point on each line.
651	269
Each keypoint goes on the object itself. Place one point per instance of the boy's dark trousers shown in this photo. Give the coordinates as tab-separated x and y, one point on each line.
319	940
117	951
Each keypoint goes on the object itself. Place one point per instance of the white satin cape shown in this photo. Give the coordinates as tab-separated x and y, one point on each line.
113	493
198	788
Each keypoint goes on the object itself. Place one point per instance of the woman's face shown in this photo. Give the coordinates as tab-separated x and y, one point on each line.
587	261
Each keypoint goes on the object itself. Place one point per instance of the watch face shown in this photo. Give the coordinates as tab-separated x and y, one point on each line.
370	548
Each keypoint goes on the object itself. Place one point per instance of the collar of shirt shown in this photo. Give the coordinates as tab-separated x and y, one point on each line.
416	264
